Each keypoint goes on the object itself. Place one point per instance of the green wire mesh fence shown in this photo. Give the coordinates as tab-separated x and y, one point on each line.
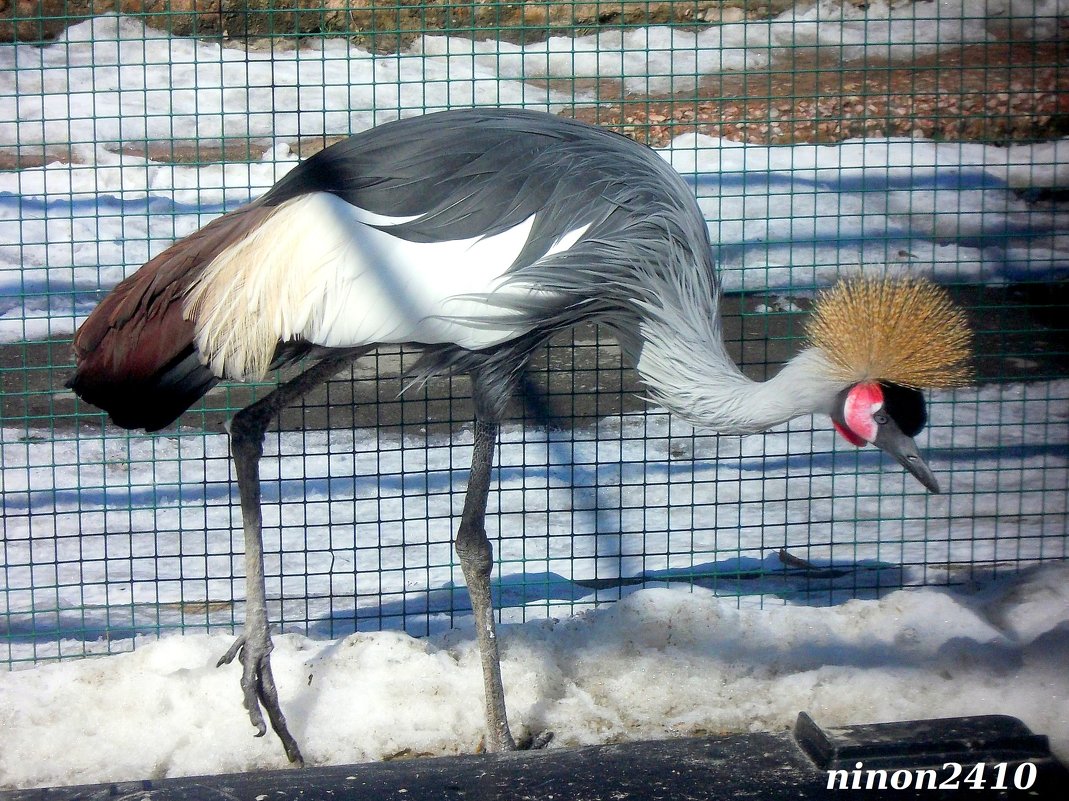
820	140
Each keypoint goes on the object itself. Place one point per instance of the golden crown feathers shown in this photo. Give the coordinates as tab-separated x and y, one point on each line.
905	331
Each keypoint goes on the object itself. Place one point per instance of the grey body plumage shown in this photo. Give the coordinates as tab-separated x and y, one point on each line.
478	173
342	254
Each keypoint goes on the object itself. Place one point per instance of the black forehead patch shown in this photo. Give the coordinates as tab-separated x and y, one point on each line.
905	406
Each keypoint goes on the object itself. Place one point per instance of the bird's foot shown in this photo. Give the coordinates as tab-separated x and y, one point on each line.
258	687
528	741
534	742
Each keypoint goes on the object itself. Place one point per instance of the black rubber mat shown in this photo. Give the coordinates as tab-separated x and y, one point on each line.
914	759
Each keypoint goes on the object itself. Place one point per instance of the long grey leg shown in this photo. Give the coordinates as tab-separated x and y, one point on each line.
477	560
253	647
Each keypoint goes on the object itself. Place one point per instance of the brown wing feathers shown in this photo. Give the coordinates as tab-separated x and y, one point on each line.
135	355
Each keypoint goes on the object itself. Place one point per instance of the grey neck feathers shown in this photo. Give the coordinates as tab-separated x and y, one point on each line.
682	359
646	271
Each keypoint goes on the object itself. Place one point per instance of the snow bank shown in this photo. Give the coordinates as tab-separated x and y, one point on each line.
660	663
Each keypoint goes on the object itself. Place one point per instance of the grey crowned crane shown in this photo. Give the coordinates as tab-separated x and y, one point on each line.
478	235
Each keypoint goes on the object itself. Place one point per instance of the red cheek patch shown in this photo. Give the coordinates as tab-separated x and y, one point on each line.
848	435
862	402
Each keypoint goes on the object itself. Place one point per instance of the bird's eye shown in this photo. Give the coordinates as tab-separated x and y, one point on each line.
881	418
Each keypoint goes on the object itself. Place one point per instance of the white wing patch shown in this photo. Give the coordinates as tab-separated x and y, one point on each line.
317	270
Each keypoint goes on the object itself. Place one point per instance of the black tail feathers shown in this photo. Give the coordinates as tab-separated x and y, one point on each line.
148	402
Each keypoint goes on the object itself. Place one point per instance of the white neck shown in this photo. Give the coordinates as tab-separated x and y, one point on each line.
695	379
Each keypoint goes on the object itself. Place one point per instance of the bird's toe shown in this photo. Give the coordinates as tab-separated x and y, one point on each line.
534	741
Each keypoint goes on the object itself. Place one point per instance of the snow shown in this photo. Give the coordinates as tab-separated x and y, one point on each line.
140	84
659	663
134	529
782	216
108	539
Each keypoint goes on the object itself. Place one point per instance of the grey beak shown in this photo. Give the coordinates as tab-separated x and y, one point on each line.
893	442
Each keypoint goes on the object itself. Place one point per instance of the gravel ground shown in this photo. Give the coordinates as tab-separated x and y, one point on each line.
992	92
